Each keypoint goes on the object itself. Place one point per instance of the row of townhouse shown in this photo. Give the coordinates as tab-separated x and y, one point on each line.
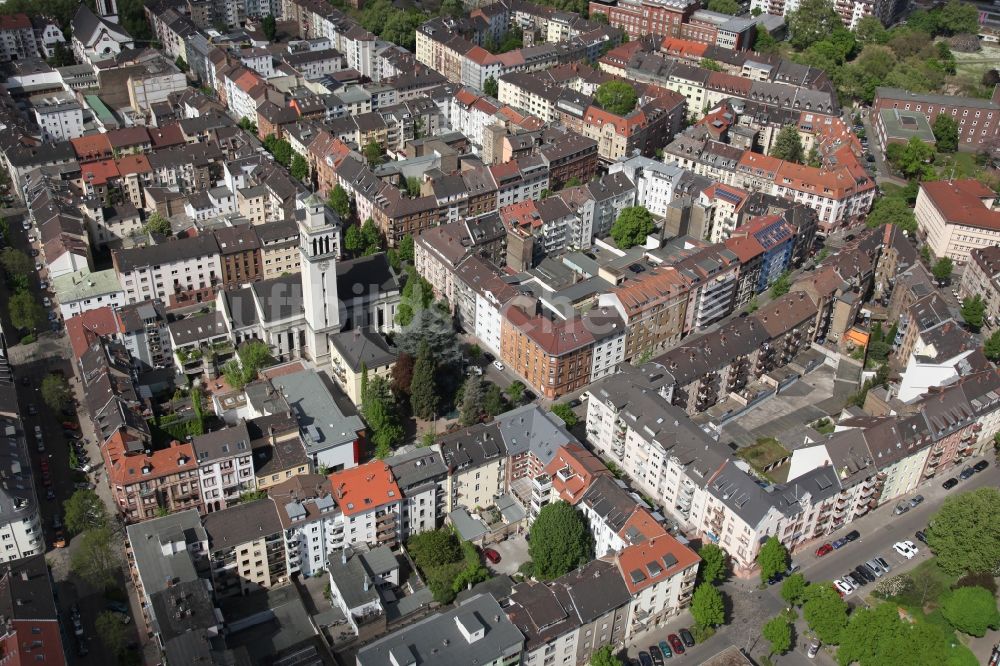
868	462
23	36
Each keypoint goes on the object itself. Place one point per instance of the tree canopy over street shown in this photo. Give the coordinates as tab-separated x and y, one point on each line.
965	532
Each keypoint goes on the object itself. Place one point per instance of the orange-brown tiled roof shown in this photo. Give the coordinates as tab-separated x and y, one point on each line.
98	173
91	146
364	488
959	202
83	328
659	551
126	470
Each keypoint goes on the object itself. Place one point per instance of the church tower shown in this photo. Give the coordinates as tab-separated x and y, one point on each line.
107	10
318	250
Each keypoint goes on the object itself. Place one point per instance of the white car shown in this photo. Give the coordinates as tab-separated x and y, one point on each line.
38	432
843	586
905	548
498	365
46	301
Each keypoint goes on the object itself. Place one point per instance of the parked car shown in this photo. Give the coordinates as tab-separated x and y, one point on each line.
874	566
882	563
901	508
921	536
843	587
950	483
839	543
59	540
980	466
665	649
117	606
966	473
575	402
70	425
917	500
654	652
687	638
905	548
853	535
676	644
498	365
823	550
43	285
50	494
490	554
645	659
852	581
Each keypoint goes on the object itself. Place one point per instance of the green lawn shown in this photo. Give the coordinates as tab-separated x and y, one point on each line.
766	451
957	165
929	583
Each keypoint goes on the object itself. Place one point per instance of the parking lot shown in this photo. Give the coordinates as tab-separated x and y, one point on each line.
513	553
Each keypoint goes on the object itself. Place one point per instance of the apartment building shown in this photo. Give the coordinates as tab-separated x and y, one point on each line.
359	351
554	356
31	632
371	503
422	479
653	305
646	17
978	120
956	217
279	248
850	11
981	277
246	548
313	524
17	38
225	466
169	271
145	482
476	458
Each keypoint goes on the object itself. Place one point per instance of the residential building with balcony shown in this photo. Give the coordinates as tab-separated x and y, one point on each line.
566	620
476	458
278	453
312	522
146	482
21	527
554	356
531	437
225	466
171	272
653	306
31	628
246	548
371	504
981	277
659	573
201	345
423	481
143	330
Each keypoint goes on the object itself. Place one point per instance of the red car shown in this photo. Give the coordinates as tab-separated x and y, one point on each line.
823	550
492	555
676	644
70	425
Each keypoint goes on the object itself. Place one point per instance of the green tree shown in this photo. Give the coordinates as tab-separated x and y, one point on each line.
423	390
370	237
788	145
374	154
413	186
565	412
943	268
247	125
56	392
560	541
879	637
945	133
713	563
764	42
431	326
299	168
892	210
25	312
97	558
824	611
157	224
778	632
792	589
491	87
434	548
912	159
473	396
782	285
250	359
353	240
605	655
974	311
282	151
182	64
634	223
381	413
494	402
617	97
812	22
15	262
965	532
711	65
111	631
406	248
62	56
725	7
971	610
340	202
992	346
871	31
453	8
814	159
772	558
958	17
516	391
707	606
269	27
84	510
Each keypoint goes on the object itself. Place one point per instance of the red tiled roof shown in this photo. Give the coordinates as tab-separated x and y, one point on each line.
167	135
130	164
657	552
86	326
91	146
364	488
960	202
745	247
15	22
98	173
683	47
555	338
572	470
126	470
128	137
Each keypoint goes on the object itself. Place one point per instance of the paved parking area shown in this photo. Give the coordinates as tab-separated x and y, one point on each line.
513	553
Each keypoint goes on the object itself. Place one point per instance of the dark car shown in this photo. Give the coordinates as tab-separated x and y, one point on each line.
950	483
654	652
492	555
575	402
980	466
645	659
867	575
839	543
921	536
665	649
853	535
676	644
966	473
687	638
